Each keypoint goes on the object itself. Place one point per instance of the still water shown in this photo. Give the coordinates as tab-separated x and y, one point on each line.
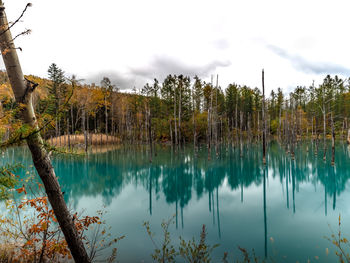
283	212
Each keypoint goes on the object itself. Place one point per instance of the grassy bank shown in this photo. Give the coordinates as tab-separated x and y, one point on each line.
78	140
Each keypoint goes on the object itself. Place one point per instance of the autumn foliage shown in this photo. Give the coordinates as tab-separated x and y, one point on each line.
31	230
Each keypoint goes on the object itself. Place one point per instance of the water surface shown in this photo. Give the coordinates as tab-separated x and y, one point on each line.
283	211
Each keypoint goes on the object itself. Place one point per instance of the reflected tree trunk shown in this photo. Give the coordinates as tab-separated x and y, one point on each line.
335	187
150	190
217	211
212	193
325	200
265	216
287	182
293	185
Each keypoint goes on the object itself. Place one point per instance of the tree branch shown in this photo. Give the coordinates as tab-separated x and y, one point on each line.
2	8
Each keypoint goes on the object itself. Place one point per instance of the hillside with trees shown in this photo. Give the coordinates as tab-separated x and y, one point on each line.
181	110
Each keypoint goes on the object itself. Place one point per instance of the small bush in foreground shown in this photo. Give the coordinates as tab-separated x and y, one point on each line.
190	251
30	232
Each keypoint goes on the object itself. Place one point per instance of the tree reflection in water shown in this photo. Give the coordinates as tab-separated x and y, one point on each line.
187	176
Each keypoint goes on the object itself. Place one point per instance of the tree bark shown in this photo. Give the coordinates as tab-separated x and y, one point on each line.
279	122
180	107
241	133
312	128
72	118
324	126
209	118
175	123
216	116
83	127
68	133
106	116
293	129
194	122
112	113
171	132
263	119
86	134
22	90
236	117
149	123
333	140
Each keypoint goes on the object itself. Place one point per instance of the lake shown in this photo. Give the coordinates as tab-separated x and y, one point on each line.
283	211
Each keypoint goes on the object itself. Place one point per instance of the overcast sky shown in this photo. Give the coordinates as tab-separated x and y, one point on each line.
134	41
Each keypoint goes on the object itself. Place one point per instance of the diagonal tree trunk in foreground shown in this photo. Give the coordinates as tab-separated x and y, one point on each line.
22	90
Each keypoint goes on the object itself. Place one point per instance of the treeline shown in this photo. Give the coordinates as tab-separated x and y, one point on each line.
181	110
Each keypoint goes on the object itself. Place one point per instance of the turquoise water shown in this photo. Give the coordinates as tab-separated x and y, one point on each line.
283	211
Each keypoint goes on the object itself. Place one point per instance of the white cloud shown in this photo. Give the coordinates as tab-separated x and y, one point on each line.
89	37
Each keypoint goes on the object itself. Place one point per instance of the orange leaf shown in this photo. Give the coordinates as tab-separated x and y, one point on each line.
22	189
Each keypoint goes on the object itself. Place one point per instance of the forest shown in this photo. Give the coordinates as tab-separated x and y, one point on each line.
180	110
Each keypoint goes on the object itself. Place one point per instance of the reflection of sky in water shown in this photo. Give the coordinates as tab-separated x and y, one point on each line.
225	194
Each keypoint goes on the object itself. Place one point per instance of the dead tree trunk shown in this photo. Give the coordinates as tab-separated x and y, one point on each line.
236	118
241	134
312	128
216	116
300	123
287	129
175	122
316	139
258	127
150	133
194	123
68	134
333	140
87	131
263	119
72	118
293	130
23	91
59	132
180	106
324	126
209	119
83	128
106	117
249	128
171	132
279	123
112	114
208	132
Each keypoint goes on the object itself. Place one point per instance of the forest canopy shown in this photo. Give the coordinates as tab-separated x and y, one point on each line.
176	110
